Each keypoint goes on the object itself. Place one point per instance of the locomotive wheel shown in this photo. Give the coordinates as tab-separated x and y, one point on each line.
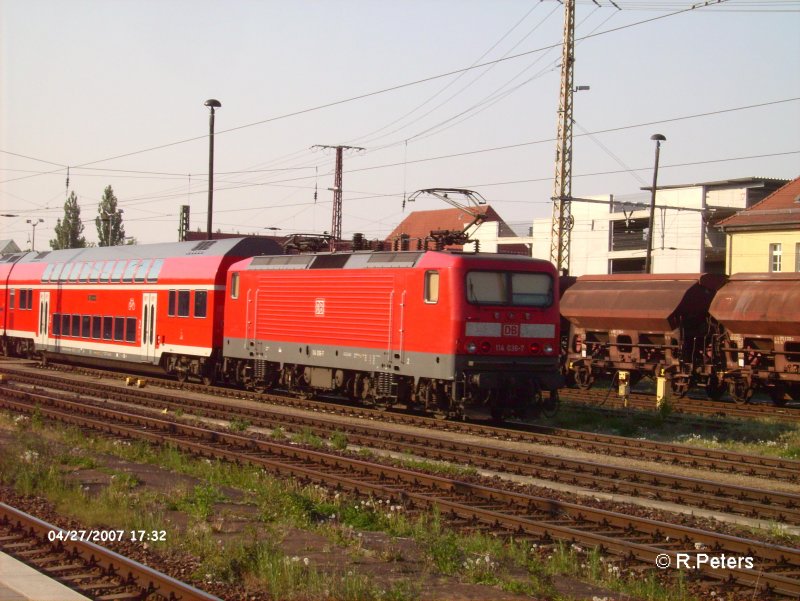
740	391
551	405
583	378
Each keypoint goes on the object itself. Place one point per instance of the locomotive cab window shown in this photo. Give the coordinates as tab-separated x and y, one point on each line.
432	287
200	303
506	288
235	285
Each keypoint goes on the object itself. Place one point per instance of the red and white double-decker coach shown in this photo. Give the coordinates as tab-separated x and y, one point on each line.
448	332
154	304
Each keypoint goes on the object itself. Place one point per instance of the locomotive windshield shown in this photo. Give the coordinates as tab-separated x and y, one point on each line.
508	288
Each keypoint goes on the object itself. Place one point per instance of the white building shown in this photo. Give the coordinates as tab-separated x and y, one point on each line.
610	232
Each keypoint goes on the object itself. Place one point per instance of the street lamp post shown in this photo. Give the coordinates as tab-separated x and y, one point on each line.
648	259
212	104
34	223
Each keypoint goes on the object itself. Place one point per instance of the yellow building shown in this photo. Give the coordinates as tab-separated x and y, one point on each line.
765	237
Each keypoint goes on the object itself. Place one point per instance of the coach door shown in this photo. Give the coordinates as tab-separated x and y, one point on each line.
42	328
149	326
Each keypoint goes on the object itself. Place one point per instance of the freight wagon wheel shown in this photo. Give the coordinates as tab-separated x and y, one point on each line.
679	386
740	390
583	377
714	389
778	394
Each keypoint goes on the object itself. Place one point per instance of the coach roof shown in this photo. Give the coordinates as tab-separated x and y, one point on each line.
209	248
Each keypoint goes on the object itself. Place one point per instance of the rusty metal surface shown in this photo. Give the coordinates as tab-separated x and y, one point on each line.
760	304
638	301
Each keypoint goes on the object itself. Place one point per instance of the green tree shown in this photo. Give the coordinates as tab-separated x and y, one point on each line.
110	231
69	231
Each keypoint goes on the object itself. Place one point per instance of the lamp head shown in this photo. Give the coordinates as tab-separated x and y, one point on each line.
213	103
659	137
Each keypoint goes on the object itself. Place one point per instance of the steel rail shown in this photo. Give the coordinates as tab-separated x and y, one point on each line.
515	512
675	454
129	573
747	501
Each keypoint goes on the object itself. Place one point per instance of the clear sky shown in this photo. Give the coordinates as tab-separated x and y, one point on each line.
116	91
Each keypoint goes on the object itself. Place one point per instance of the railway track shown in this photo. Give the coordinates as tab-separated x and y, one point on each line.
608	398
92	570
593	475
774	570
619	446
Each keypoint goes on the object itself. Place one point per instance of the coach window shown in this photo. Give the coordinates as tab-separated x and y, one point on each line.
56	324
431	287
119	268
97	267
96	321
235	284
65	324
47	271
130	329
107	327
108	267
155	269
76	325
86	326
142	271
172	303
64	273
84	276
56	272
130	270
119	328
200	303
23	298
76	269
12	296
183	303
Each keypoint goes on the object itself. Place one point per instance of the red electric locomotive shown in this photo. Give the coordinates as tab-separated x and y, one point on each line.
155	304
447	332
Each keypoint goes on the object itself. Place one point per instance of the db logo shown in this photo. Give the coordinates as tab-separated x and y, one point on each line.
319	306
510	329
131	305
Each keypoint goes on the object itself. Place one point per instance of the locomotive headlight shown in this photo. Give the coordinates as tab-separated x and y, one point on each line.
548	349
535	348
472	347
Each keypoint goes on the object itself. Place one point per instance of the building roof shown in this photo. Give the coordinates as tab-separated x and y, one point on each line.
8	246
779	210
744	182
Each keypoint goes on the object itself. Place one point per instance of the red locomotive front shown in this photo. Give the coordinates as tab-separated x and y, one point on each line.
449	332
